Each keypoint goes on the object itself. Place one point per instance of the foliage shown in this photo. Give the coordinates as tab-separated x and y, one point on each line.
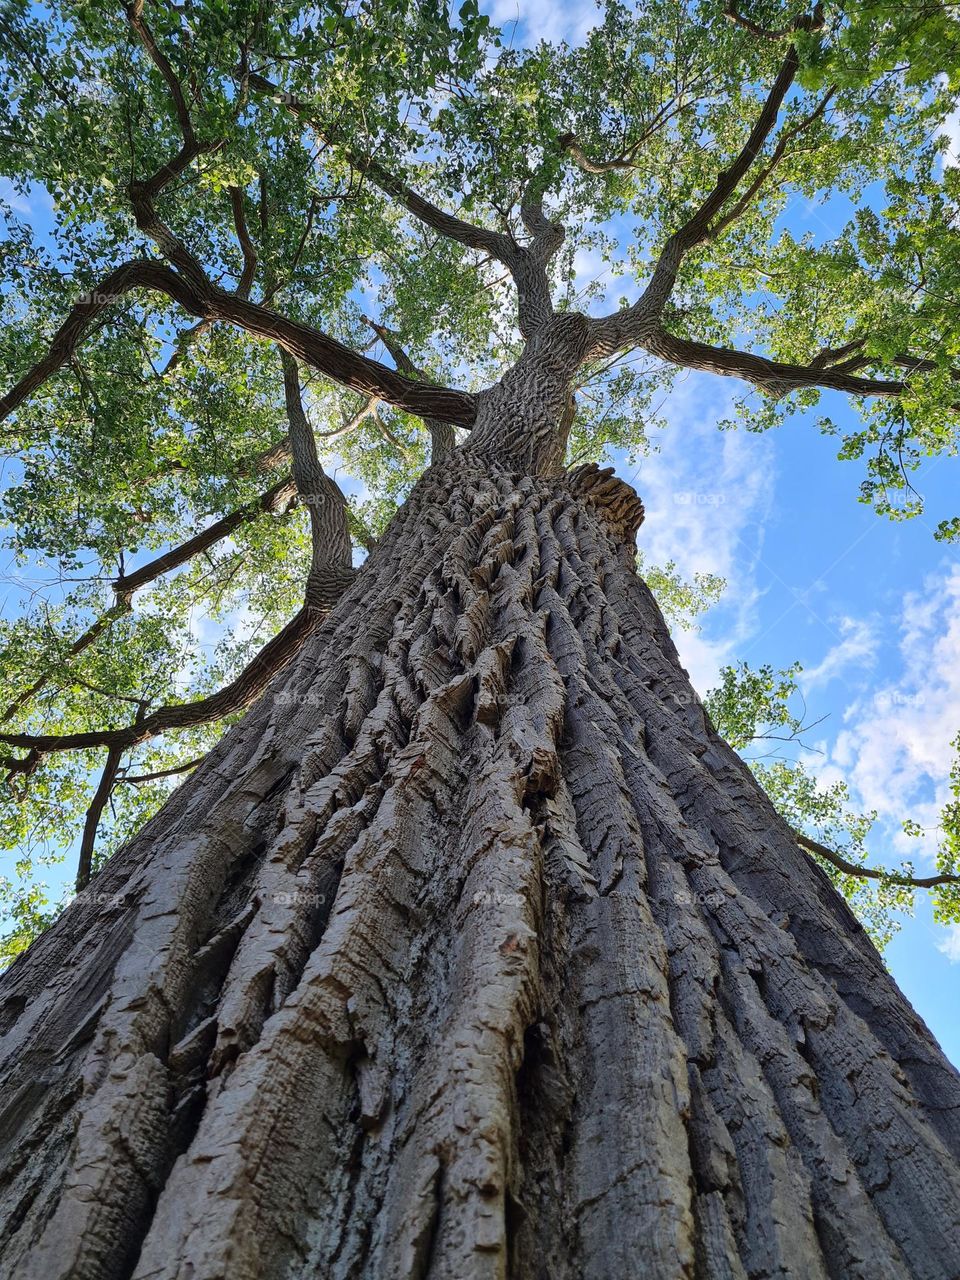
752	707
158	424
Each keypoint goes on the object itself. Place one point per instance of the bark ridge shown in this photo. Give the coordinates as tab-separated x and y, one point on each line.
473	953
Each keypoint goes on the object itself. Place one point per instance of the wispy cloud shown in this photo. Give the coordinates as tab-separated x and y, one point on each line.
856	648
894	746
708	496
537	20
950	946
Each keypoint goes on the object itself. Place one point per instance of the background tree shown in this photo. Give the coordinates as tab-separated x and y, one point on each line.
472	949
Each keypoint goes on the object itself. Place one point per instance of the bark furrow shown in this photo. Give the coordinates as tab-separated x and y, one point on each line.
473	953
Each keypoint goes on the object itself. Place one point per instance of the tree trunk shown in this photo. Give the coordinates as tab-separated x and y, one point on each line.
471	953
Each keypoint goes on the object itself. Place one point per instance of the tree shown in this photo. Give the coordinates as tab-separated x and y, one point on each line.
472	949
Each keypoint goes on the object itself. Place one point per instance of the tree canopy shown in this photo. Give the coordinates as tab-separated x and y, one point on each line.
283	247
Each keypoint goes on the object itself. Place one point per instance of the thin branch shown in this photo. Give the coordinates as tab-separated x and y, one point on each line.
100	797
623	327
572	145
526	264
84	641
454	228
139	25
442	438
274	500
803	22
870	873
136	779
183	342
779	153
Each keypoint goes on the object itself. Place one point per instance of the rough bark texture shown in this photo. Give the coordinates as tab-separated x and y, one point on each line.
472	953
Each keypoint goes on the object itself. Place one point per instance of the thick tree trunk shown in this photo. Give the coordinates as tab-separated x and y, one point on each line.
473	952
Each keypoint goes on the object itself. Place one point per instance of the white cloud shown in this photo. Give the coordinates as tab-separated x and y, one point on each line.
894	748
950	946
708	495
537	20
857	647
17	202
590	266
949	128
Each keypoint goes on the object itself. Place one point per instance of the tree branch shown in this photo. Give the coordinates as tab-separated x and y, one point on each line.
136	779
139	25
779	152
442	438
526	268
454	228
246	244
100	797
770	376
84	641
623	327
870	873
572	145
274	500
803	22
331	558
236	696
204	300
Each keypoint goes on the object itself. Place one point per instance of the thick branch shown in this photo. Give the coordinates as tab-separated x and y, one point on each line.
442	438
236	696
204	300
68	337
770	376
871	873
331	558
276	499
143	193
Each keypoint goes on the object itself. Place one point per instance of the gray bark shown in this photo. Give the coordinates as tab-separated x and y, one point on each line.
473	953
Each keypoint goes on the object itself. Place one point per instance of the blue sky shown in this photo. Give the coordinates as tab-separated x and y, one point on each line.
869	607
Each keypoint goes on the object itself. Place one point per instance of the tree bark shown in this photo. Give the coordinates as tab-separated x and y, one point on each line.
472	953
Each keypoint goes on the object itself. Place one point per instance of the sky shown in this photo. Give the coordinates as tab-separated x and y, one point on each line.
870	608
